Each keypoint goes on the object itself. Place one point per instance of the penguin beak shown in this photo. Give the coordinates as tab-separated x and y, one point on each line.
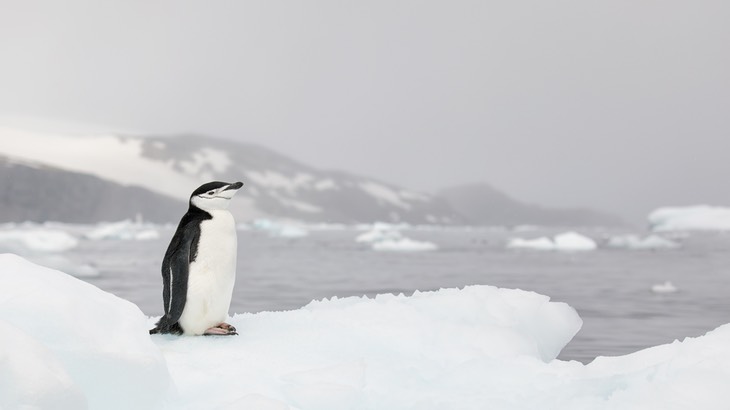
234	186
230	190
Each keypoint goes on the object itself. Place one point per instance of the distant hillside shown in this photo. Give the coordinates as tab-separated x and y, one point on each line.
275	186
481	204
38	193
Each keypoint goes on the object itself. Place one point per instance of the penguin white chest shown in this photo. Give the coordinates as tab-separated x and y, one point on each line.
212	275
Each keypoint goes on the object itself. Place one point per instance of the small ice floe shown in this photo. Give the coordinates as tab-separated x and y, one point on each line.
279	229
379	231
404	245
125	230
541	244
387	237
666	287
690	218
568	242
635	242
37	240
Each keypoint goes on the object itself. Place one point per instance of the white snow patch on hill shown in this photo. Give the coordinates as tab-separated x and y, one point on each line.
117	159
207	158
325	184
384	194
276	180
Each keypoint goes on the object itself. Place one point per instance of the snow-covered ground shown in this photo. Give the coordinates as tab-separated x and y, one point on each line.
67	344
690	218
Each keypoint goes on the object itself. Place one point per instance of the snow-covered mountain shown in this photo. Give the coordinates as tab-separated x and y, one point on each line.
35	192
172	167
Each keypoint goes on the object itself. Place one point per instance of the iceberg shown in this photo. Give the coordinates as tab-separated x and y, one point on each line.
568	241
404	245
666	287
36	240
66	344
279	229
387	237
635	242
690	218
541	244
379	231
125	230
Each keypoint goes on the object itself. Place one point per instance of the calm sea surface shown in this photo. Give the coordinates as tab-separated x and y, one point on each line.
611	289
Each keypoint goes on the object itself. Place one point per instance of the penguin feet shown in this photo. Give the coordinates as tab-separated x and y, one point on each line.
223	329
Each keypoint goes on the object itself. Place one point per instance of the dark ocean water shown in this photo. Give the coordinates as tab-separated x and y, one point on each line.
610	289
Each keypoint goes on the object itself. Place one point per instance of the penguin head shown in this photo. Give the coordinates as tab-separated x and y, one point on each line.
214	195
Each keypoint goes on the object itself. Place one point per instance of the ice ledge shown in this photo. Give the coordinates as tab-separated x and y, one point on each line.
67	344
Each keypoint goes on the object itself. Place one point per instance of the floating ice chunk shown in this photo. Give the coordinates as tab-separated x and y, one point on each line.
666	287
378	232
101	341
689	218
38	240
122	230
290	231
568	241
147	235
279	229
541	244
403	244
635	242
573	241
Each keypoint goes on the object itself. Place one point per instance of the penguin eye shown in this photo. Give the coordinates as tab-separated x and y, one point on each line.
211	192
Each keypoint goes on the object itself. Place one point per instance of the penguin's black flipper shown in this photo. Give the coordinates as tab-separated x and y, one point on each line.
175	271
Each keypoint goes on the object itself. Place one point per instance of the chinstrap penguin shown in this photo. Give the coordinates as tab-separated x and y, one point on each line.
199	268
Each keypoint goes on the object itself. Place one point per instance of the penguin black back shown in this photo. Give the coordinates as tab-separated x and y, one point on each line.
206	201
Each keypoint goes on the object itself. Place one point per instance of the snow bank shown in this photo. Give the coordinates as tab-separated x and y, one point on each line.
36	240
690	218
568	241
94	342
635	242
388	352
123	230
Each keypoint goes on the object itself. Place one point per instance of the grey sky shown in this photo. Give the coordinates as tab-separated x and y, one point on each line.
618	105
